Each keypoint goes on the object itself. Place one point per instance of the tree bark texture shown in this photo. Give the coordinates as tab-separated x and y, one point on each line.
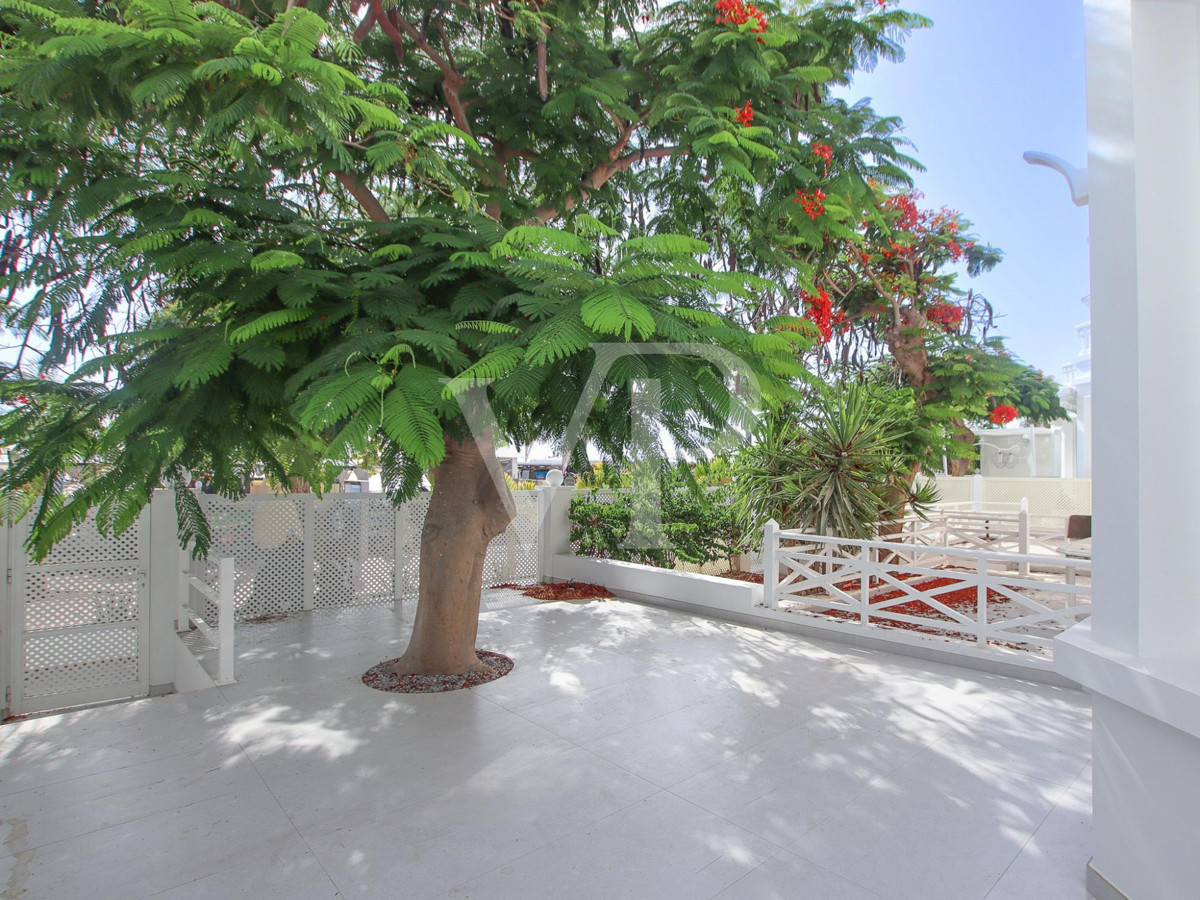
466	510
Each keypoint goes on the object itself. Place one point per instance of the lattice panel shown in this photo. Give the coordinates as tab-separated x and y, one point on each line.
512	556
265	535
408	557
356	555
1047	496
65	663
954	490
85	544
354	550
70	598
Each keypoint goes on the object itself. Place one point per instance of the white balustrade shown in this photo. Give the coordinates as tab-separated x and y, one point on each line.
1021	600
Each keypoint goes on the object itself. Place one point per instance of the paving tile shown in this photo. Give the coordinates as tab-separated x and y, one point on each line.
786	876
662	847
881	773
148	855
790	783
937	828
43	754
293	876
593	714
388	773
1053	864
677	745
78	806
494	818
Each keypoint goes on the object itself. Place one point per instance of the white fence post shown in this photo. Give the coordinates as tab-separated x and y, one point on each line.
1023	537
770	564
981	620
159	530
545	495
864	583
309	531
7	635
977	492
183	621
226	611
554	527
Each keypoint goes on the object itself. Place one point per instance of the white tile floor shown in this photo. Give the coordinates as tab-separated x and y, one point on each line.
633	752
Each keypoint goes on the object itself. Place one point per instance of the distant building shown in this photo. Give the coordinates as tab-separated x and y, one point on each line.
1064	450
1077	396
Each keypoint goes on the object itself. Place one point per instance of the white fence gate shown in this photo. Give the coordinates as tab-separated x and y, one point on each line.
76	628
77	623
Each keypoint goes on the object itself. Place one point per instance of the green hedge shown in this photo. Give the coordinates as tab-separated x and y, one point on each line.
684	523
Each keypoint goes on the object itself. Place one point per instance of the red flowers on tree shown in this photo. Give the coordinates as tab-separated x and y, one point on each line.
948	315
823	152
735	12
745	115
818	309
1003	414
813	202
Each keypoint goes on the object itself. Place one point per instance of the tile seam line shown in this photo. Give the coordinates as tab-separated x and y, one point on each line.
1058	802
106	771
286	815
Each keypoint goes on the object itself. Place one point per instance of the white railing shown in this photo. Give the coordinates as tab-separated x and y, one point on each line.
908	585
994	531
222	637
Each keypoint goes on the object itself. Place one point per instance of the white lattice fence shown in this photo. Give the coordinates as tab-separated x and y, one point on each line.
297	552
953	490
354	549
1046	496
78	621
266	537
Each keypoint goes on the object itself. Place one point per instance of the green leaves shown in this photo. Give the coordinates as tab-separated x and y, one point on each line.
275	259
267	322
409	418
611	309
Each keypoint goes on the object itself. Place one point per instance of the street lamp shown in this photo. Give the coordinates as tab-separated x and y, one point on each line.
1077	178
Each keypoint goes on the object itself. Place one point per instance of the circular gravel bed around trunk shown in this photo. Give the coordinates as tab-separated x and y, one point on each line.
381	679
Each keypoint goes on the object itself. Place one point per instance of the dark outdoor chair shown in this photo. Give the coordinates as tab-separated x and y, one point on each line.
1079	527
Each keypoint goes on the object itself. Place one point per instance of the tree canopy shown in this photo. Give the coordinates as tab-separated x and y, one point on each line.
250	235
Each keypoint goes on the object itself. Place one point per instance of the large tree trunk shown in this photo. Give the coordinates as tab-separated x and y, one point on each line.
468	508
960	466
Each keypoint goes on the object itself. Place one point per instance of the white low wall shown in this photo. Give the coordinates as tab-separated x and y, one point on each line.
741	602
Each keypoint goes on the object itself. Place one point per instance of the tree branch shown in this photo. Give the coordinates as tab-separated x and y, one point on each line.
364	195
600	175
452	79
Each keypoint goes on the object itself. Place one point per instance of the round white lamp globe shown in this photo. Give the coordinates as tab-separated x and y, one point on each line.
554	477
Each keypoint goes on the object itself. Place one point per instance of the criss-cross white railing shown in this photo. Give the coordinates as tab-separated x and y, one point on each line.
888	582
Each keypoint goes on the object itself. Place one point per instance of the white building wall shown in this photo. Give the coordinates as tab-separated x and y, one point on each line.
1140	653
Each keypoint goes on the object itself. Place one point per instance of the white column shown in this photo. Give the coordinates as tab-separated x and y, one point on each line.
1139	654
1166	65
1112	216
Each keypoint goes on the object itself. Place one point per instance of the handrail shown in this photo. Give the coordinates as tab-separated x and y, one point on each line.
223	597
959	552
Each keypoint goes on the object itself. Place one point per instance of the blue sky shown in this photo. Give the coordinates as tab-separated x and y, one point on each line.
990	80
